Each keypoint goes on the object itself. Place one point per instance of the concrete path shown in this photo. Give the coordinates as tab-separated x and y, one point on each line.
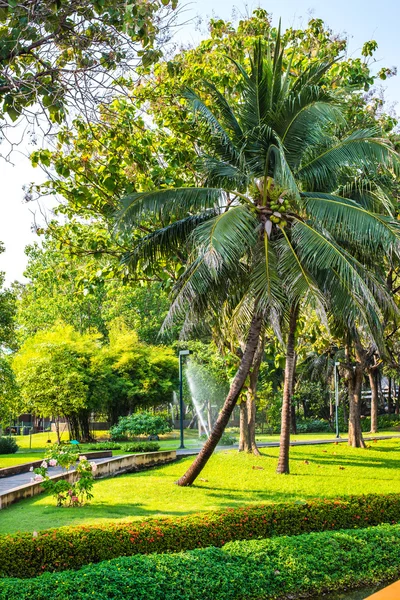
14	481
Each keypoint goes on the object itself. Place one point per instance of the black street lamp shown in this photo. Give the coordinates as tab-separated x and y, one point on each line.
336	374
181	354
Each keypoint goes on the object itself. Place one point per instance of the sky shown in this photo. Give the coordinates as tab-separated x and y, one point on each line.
360	20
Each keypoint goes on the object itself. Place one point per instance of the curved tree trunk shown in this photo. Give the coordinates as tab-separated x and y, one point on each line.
283	461
374	399
223	418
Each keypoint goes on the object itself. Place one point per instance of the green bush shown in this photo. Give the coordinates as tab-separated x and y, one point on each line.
313	426
384	422
137	424
141	447
227	439
73	547
105	446
285	567
8	445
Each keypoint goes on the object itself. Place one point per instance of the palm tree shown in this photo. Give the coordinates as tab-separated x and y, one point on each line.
260	233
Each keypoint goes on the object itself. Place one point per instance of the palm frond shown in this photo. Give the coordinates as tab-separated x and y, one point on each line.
361	149
345	218
164	204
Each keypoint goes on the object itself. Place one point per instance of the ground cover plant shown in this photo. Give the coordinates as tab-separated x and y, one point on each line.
73	547
231	479
273	568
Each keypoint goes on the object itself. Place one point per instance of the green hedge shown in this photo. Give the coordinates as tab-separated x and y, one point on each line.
275	568
22	554
141	447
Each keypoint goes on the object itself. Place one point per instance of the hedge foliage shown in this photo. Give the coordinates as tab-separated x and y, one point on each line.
142	446
274	568
27	555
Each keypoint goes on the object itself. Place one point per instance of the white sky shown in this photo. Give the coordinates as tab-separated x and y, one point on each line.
362	20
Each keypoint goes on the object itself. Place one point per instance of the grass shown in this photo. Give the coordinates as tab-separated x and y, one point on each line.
39	443
229	479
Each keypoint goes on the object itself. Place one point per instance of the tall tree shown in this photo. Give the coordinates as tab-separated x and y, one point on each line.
252	226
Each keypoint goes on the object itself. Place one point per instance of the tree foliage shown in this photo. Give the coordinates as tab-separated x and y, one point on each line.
59	52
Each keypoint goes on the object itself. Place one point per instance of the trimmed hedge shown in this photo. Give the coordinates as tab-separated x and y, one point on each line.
285	567
24	554
105	446
141	447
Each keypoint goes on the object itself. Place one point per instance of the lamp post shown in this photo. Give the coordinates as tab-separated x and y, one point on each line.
337	399
182	353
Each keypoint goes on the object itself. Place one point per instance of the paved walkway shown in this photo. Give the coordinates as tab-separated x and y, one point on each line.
14	481
9	483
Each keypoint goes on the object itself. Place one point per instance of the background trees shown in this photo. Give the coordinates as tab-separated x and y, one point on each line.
62	54
64	373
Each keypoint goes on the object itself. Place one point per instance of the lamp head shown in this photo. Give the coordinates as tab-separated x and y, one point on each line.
185	352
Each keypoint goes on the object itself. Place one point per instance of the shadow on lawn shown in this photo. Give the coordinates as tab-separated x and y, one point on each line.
364	459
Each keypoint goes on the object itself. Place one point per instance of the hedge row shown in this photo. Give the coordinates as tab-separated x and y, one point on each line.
284	567
27	555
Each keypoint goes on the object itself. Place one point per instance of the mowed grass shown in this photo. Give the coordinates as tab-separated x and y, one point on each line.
40	443
229	479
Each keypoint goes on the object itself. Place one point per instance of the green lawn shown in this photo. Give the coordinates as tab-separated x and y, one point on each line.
170	441
230	479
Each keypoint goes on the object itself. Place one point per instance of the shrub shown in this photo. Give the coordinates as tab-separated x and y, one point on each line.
313	426
142	447
8	445
285	567
227	439
140	424
73	547
75	493
105	446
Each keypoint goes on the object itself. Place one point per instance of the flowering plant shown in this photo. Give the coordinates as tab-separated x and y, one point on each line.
66	492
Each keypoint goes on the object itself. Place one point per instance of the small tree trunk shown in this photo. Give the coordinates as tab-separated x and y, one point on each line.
390	399
244	441
248	413
283	461
398	399
223	418
374	400
355	383
58	430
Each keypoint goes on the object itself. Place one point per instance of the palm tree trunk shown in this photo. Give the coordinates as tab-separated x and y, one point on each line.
283	461
374	400
223	418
